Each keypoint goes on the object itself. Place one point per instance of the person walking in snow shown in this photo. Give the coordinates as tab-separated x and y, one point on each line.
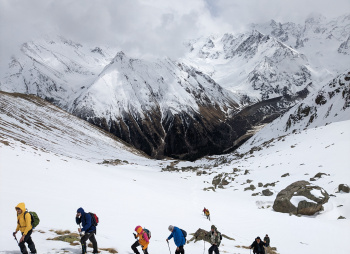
24	224
206	213
88	230
215	240
179	239
258	246
143	240
267	240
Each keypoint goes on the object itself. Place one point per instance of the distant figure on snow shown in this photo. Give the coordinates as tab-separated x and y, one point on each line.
215	240
258	246
88	230
206	213
143	240
24	224
267	240
179	239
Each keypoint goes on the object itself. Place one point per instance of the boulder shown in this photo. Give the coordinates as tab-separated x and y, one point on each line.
251	187
221	180
301	198
267	192
344	188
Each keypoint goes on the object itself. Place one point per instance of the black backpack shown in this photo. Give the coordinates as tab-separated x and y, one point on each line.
184	234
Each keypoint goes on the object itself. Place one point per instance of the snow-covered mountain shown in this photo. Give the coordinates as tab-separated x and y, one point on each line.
253	65
323	41
204	103
328	105
55	69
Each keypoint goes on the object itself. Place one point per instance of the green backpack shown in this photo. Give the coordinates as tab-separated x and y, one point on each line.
35	218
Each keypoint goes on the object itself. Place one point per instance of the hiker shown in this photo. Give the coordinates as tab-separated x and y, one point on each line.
206	213
179	239
88	230
143	240
258	246
24	224
267	240
215	240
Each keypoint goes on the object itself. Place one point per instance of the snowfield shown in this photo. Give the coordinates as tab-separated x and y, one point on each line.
124	196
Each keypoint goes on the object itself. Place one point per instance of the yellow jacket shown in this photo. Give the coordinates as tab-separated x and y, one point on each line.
143	238
23	225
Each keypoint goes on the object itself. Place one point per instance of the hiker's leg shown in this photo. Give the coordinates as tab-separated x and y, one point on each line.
94	243
31	245
133	247
83	242
210	251
23	248
145	251
182	250
216	249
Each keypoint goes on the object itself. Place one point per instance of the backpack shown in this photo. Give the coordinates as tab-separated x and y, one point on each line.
183	232
220	237
35	218
94	219
147	232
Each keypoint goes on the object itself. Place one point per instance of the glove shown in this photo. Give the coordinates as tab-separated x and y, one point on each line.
134	235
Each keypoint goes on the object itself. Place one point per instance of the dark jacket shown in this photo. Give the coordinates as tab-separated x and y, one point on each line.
256	247
86	221
179	238
267	240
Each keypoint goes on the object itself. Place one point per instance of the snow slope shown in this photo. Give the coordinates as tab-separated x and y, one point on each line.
145	193
43	126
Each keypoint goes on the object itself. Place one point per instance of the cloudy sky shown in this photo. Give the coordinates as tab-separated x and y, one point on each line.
145	27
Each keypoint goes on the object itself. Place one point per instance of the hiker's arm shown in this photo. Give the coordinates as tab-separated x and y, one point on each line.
170	236
88	222
78	220
28	220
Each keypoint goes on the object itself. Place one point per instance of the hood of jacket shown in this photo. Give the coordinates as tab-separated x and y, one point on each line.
138	229
21	206
81	210
213	227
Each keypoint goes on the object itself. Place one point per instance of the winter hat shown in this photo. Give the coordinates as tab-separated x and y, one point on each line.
258	238
171	227
80	210
213	227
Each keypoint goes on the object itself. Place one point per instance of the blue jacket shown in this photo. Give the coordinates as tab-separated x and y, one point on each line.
85	220
179	238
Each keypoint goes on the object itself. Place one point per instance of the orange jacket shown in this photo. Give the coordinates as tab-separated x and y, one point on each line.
143	238
23	225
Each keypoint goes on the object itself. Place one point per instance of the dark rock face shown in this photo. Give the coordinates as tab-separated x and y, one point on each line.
190	135
306	192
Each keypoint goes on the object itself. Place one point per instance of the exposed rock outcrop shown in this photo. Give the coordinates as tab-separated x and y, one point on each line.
302	198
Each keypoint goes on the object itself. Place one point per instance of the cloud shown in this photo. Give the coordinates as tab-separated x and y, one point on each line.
143	27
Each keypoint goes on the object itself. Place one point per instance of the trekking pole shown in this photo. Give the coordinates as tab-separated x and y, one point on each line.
16	239
169	247
204	247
